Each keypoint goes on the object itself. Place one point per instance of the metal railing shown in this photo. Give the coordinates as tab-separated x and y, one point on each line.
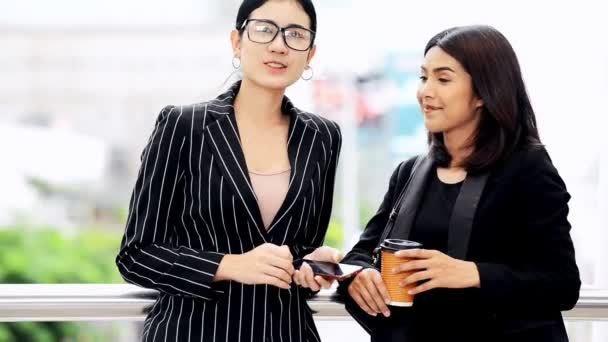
84	302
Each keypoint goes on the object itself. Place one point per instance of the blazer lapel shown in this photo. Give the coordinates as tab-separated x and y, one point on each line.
225	144
411	200
304	147
461	222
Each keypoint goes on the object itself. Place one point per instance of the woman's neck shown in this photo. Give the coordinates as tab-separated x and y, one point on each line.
458	143
258	105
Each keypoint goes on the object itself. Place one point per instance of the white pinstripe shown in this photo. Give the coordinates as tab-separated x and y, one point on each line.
181	307
200	239
216	112
159	283
299	189
190	323
229	252
235	159
200	179
160	304
209	204
173	299
299	316
142	171
172	191
236	225
169	275
162	320
184	227
240	195
150	188
163	180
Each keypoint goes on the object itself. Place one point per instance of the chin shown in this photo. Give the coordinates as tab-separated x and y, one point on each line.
275	83
433	127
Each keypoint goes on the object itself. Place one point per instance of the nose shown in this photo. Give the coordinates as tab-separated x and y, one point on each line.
426	89
278	44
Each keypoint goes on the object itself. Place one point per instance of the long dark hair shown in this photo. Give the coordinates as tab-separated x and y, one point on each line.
248	6
507	120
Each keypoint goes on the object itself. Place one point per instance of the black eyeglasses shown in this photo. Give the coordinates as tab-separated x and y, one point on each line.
264	31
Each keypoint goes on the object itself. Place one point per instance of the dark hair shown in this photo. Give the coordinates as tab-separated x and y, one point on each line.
507	120
248	6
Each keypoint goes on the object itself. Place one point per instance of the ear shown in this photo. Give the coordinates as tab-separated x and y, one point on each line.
311	54
235	39
478	102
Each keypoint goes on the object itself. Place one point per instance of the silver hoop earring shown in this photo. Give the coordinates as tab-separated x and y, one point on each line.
236	62
312	73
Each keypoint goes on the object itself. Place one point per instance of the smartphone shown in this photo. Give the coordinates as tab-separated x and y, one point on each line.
329	269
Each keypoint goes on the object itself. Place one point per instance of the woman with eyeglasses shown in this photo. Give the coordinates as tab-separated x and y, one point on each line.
490	209
231	191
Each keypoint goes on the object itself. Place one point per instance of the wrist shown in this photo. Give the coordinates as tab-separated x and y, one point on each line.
226	267
475	279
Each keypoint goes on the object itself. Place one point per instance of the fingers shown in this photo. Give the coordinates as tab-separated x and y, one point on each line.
355	293
381	287
280	251
373	297
411	265
281	259
280	262
429	285
369	292
305	278
416	277
278	273
325	253
321	282
325	283
338	256
270	280
284	252
309	277
296	277
417	253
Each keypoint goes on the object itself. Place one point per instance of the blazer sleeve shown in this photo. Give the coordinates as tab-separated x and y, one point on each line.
314	234
362	253
545	275
146	257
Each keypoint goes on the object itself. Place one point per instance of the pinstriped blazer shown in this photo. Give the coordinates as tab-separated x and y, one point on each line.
193	203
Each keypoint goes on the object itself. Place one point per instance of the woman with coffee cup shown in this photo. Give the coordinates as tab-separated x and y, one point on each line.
486	204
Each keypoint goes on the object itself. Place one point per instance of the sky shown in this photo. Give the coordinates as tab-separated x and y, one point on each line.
126	13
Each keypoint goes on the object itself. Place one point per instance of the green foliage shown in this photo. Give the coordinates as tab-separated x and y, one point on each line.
335	234
42	255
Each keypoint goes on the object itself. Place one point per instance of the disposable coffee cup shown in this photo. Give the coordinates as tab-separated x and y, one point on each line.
388	261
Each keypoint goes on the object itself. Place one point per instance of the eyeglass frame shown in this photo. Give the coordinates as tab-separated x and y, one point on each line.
281	30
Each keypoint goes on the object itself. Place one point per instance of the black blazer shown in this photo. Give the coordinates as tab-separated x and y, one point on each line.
519	238
193	203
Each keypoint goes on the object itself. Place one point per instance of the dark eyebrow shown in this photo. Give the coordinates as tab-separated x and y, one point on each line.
264	21
277	25
440	69
298	26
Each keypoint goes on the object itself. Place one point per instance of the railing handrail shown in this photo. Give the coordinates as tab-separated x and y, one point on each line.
98	302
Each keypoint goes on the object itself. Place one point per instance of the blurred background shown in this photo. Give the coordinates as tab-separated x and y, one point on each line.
81	83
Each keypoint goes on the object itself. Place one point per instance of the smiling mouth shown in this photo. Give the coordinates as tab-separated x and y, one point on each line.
428	108
276	65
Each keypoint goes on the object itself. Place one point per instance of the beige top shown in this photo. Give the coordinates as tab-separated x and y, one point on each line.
270	190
